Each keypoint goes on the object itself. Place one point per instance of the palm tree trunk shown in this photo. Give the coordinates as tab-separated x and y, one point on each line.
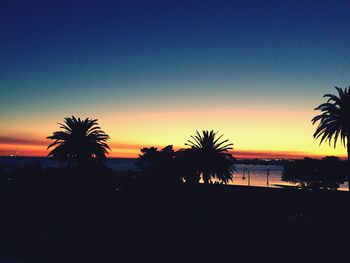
205	178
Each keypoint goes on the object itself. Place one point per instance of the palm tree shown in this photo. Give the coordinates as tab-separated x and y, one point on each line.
334	121
80	142
210	157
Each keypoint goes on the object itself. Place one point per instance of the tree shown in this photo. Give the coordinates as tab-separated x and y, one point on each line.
210	157
80	143
334	120
186	166
314	174
159	165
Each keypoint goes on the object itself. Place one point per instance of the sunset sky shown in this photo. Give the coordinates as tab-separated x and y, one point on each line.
154	72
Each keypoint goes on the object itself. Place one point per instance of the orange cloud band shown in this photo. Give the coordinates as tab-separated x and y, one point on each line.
120	150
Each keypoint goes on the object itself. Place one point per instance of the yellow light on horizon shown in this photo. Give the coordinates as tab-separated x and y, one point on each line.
259	129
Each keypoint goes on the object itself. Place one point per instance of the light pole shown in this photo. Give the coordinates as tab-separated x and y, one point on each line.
246	170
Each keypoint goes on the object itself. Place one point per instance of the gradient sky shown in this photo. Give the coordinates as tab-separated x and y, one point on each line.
153	72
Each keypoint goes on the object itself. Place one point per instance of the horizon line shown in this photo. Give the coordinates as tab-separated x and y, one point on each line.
243	154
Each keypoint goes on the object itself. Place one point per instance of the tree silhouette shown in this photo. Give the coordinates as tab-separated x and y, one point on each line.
186	166
210	156
315	174
159	165
80	142
334	121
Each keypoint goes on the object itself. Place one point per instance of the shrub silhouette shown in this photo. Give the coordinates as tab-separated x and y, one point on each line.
312	174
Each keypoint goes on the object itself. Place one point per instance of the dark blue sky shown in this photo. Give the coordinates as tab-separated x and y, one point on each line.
165	43
93	57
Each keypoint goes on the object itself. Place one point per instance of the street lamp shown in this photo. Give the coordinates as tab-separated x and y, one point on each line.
246	170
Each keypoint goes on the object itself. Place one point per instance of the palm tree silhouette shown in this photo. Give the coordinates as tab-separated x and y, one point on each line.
210	157
334	121
80	142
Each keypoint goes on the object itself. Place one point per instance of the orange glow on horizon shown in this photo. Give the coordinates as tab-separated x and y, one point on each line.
256	132
133	151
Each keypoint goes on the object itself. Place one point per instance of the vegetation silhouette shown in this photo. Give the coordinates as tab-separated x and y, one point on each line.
158	165
51	223
334	120
81	142
187	167
313	174
166	165
210	157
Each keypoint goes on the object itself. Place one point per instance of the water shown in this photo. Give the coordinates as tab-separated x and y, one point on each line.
258	175
117	164
246	174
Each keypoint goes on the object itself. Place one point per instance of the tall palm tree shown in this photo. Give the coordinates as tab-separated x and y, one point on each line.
80	142
334	120
211	157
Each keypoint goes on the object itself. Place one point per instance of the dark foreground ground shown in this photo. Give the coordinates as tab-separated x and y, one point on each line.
177	224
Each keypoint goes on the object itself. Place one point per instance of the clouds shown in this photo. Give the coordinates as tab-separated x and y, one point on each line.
14	140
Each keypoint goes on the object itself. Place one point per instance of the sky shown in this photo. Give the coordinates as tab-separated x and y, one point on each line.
154	72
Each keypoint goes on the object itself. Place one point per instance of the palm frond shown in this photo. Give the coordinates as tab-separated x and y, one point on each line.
334	120
79	139
210	157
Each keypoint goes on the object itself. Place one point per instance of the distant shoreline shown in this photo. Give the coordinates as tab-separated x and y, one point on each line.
257	161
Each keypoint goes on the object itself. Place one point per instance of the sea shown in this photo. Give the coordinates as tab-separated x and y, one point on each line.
245	175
